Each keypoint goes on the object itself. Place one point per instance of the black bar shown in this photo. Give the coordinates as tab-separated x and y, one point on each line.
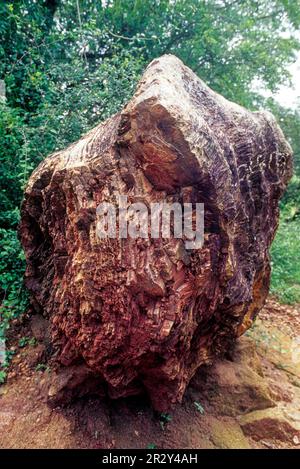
149	457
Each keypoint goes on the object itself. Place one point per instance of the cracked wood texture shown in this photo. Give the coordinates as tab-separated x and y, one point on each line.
143	315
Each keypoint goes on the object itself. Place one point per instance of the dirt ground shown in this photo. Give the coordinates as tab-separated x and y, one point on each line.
250	399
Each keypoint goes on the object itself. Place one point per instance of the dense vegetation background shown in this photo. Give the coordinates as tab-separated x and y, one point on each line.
69	64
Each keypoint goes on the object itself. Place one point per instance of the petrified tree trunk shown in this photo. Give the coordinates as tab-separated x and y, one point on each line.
144	314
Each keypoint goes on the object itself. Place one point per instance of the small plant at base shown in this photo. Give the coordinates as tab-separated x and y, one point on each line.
27	341
2	376
151	446
199	407
163	419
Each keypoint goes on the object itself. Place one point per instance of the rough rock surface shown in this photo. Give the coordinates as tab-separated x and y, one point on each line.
145	314
236	386
269	423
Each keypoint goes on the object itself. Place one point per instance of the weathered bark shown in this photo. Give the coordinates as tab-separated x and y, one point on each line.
145	314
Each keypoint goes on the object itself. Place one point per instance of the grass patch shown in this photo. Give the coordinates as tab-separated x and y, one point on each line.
285	252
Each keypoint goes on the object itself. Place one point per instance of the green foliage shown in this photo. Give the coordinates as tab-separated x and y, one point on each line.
27	341
286	261
289	120
228	43
14	297
285	280
290	203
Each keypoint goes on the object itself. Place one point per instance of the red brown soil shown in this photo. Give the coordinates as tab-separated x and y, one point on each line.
249	399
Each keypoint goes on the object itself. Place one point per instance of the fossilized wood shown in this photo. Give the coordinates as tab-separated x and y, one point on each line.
145	314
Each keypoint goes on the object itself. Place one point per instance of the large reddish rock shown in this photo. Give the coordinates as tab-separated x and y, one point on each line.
144	314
